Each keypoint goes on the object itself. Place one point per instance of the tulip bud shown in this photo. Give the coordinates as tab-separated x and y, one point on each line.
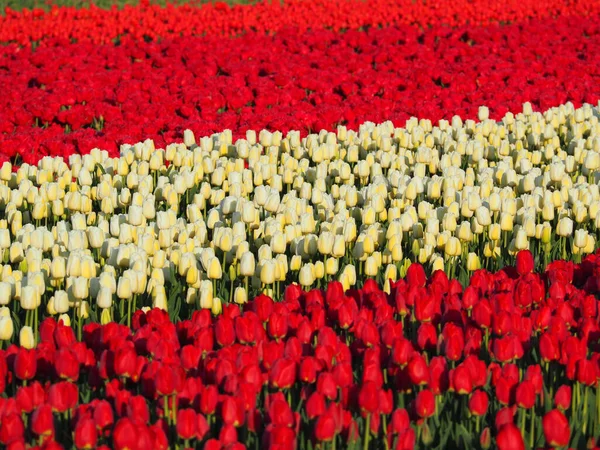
247	264
6	328
240	296
307	276
26	338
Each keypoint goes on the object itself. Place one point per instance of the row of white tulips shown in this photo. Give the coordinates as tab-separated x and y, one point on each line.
212	220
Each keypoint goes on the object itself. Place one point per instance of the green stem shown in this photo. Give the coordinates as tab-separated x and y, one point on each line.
367	432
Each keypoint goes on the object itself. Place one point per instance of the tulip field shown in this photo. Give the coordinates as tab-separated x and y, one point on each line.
309	224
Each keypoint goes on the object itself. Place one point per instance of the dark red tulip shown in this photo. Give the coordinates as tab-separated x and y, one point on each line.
25	364
478	403
556	428
425	404
85	435
509	438
562	398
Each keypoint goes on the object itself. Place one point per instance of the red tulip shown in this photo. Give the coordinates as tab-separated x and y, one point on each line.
418	370
327	386
400	421
25	364
406	440
460	380
103	415
478	403
509	438
368	398
11	428
283	374
224	331
209	400
125	435
66	365
186	423
415	275
63	396
315	406
562	398
485	439
425	403
525	262
325	427
85	435
42	421
556	429
525	395
125	362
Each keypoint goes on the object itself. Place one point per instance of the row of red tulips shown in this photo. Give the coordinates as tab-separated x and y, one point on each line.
512	359
143	21
74	98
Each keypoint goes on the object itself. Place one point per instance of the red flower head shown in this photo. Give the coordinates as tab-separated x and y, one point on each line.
277	326
425	403
509	438
368	398
63	396
224	331
186	423
25	364
525	395
418	370
460	380
562	398
525	262
66	365
478	403
11	428
325	427
415	275
125	362
85	433
103	415
327	386
42	421
283	374
402	351
315	406
556	429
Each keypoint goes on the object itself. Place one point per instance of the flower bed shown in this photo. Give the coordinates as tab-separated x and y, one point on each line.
66	99
100	26
428	363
